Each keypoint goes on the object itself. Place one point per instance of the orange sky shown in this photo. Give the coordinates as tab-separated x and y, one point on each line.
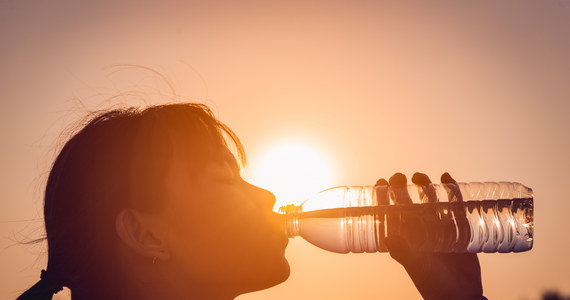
479	89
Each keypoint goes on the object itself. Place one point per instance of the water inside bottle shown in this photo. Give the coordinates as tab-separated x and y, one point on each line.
471	226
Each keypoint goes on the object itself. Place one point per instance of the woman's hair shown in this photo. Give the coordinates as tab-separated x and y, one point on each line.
119	159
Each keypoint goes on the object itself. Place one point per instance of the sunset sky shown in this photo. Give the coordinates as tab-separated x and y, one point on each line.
480	89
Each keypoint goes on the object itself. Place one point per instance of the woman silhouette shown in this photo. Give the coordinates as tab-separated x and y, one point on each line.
149	204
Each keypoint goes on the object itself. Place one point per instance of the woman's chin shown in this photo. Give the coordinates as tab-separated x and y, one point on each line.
270	279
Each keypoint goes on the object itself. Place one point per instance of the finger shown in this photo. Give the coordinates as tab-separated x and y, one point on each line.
446	178
401	251
382	192
426	190
453	191
455	198
399	185
427	232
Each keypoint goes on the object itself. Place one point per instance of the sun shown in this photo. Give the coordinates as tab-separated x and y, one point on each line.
292	171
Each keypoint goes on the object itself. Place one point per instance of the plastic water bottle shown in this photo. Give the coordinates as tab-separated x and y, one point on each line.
460	217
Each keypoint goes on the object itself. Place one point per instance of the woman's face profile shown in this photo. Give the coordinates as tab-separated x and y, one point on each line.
221	229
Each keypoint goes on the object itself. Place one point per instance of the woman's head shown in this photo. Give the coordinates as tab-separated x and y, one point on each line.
153	197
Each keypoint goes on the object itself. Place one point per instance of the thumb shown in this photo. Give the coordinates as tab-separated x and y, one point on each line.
400	250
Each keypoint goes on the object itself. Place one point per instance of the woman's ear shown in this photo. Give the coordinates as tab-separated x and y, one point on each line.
143	233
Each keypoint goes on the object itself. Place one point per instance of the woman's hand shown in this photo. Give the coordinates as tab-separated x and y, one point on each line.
435	275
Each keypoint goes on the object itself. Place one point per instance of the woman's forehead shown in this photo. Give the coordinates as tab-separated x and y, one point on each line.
187	161
226	159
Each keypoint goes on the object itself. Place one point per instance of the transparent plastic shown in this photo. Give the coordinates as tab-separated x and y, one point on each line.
462	217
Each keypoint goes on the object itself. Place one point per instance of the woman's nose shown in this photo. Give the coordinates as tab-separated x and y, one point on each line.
263	197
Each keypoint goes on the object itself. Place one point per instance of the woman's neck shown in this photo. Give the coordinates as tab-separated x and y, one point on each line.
149	292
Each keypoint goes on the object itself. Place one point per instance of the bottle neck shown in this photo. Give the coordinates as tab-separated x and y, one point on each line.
290	219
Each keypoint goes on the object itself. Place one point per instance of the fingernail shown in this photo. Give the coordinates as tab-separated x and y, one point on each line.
398	180
381	182
421	179
446	178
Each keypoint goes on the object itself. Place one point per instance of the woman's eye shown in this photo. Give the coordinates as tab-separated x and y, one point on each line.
227	180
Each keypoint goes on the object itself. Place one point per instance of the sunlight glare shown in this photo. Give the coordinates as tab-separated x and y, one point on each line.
292	171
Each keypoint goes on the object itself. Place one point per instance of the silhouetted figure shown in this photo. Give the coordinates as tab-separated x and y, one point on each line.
553	295
149	204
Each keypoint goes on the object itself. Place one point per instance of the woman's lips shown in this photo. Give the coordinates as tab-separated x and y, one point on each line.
285	239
